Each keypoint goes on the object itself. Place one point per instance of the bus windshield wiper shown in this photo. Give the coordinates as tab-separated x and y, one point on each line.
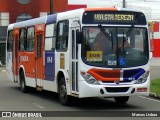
104	31
106	34
128	33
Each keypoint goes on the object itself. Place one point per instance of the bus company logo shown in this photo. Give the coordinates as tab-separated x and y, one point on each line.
21	114
23	58
6	114
117	82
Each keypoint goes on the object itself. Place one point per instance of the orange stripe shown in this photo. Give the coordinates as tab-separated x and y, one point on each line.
105	75
101	9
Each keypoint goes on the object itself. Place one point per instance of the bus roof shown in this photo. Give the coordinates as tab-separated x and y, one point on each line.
110	9
101	9
10	27
60	16
51	19
30	22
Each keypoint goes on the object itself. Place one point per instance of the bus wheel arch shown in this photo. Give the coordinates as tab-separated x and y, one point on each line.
62	90
22	81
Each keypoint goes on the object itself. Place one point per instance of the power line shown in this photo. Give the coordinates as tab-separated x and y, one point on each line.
124	4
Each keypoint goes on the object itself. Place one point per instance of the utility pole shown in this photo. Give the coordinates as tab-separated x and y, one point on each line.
124	4
51	7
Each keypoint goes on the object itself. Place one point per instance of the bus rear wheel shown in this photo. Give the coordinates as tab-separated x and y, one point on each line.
23	86
121	100
62	92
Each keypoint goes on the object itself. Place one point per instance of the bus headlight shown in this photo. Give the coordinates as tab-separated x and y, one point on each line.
142	78
89	78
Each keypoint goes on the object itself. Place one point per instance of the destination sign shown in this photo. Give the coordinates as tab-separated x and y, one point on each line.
114	17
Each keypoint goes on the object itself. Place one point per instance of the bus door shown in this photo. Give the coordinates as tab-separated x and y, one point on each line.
75	27
39	69
15	56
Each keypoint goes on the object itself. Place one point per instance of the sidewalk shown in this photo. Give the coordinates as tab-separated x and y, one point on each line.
155	62
3	68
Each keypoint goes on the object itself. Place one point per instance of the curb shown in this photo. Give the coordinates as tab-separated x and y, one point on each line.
154	95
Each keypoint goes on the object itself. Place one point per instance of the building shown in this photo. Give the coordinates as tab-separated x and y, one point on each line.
12	11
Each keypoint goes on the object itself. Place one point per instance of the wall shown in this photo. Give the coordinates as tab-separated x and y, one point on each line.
35	8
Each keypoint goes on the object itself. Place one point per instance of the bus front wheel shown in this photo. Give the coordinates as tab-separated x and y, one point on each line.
62	92
121	100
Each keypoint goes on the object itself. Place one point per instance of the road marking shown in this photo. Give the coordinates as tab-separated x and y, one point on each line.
149	99
37	105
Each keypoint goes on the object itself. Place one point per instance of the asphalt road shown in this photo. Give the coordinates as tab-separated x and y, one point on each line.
12	99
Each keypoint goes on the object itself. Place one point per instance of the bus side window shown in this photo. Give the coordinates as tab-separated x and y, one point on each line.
10	41
62	36
23	39
30	39
50	37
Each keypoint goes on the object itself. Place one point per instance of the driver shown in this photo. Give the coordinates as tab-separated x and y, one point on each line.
101	43
122	44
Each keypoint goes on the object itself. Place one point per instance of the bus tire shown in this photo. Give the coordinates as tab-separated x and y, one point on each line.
121	100
23	86
62	92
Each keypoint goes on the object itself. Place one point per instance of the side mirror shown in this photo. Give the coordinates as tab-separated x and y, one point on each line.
79	37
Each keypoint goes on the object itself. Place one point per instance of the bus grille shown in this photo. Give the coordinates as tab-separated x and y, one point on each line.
128	81
116	89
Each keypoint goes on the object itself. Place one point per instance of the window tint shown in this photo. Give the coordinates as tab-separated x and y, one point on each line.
50	37
62	38
30	39
23	39
10	41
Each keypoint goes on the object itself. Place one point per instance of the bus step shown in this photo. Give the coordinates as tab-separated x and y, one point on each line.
39	88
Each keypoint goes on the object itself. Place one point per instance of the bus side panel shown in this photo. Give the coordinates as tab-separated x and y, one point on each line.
49	66
15	54
27	59
39	58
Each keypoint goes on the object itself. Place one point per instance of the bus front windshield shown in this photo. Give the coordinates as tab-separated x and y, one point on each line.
115	47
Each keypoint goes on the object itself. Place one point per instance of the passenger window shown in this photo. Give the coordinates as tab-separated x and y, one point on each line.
23	39
50	37
10	41
30	39
62	36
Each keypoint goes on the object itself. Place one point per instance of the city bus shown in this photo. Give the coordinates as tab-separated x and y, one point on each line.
64	53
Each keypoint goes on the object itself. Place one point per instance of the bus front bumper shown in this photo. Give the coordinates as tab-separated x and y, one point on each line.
89	90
